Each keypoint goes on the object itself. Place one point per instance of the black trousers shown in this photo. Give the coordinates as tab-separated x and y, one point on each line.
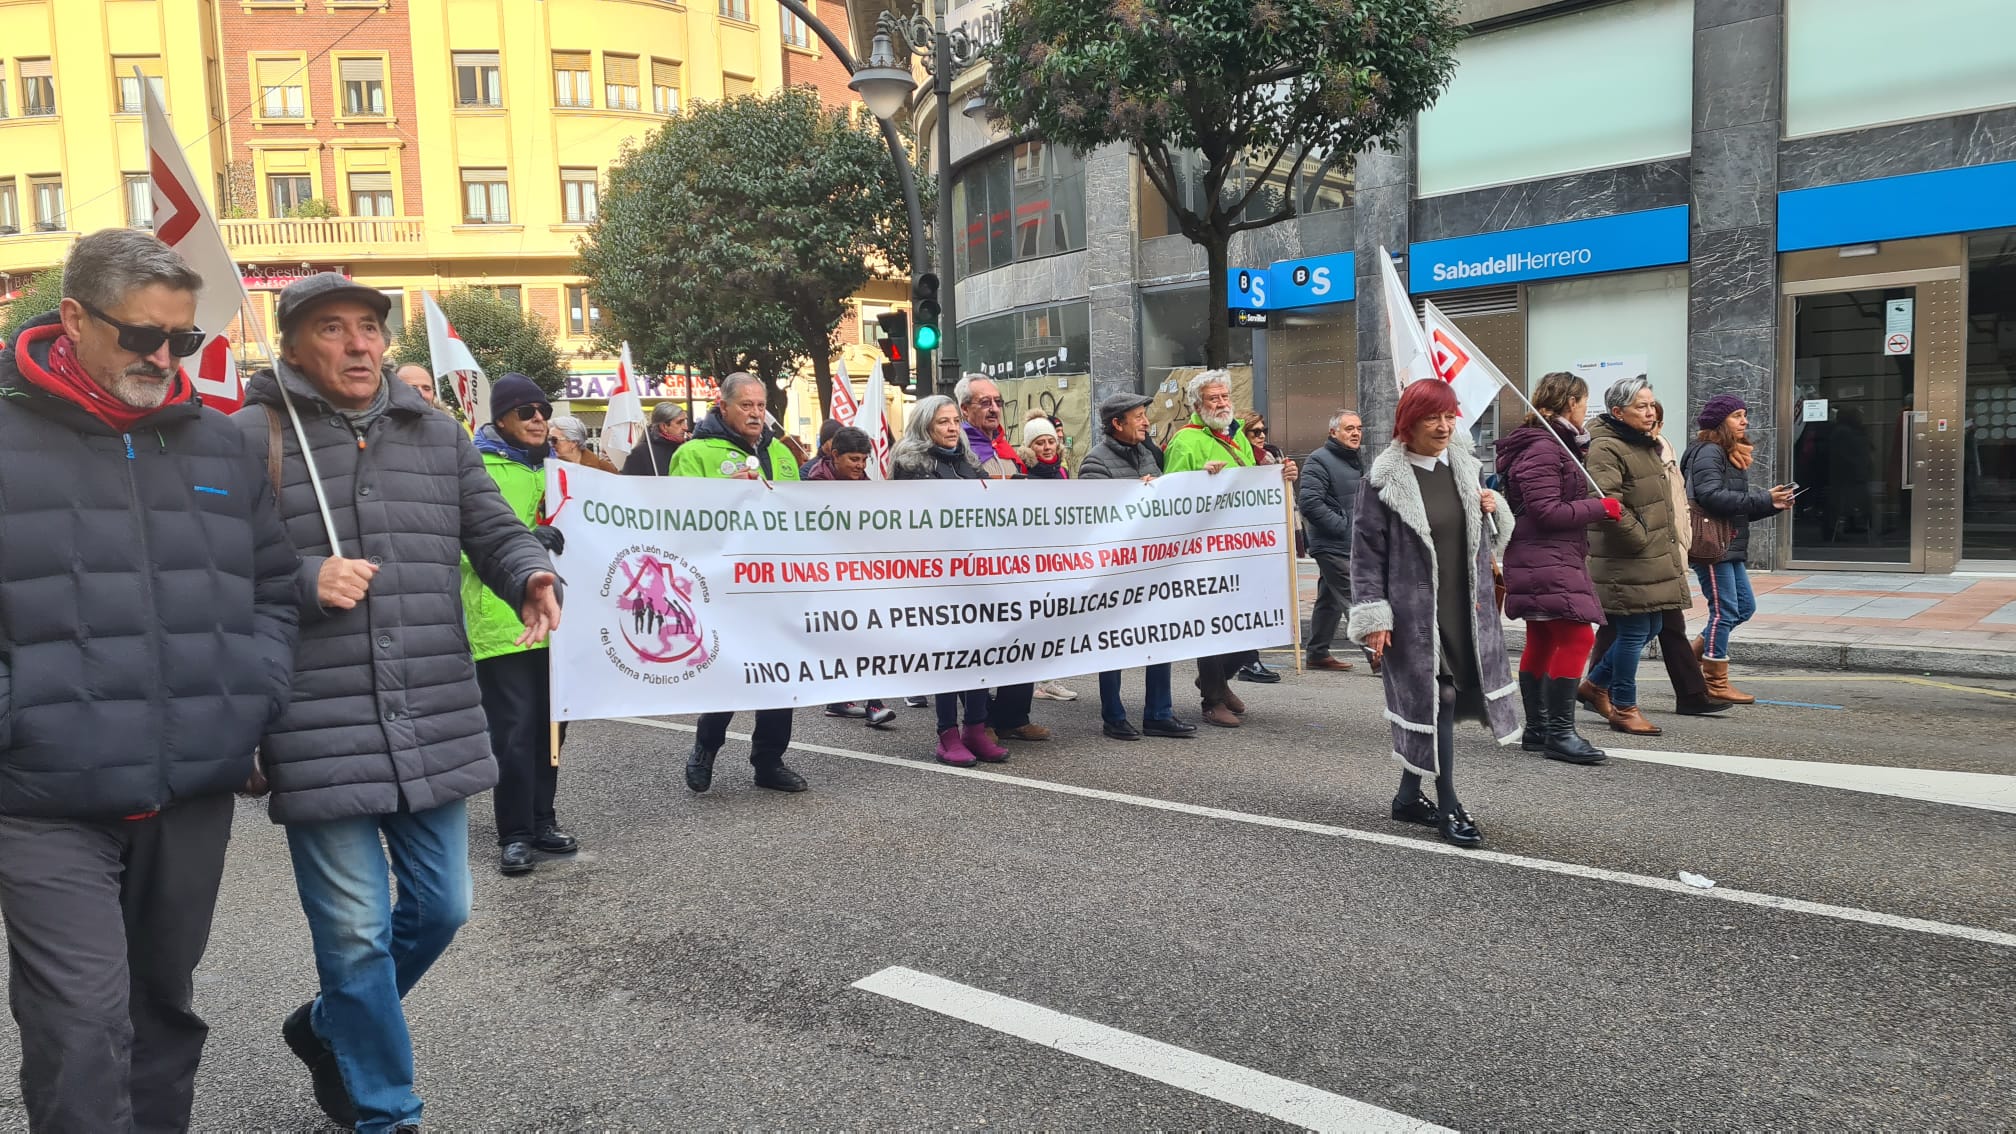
1333	601
1214	674
106	921
1009	707
772	737
1676	649
975	703
1445	754
518	702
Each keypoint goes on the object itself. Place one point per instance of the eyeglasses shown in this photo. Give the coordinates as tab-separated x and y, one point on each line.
146	340
527	413
988	403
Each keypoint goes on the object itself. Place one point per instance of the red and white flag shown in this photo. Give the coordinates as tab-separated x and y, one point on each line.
845	408
1458	362
1411	361
450	355
623	425
183	221
872	418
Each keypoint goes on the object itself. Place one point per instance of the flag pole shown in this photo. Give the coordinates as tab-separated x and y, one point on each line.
1294	573
1556	434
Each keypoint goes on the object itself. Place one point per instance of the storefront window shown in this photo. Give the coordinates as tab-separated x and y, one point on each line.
1853	63
1028	344
1323	184
1988	462
1020	204
1312	372
1609	327
1175	326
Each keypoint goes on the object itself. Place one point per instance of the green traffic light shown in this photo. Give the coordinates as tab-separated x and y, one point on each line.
927	337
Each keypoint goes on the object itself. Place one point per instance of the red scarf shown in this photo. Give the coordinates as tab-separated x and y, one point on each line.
66	379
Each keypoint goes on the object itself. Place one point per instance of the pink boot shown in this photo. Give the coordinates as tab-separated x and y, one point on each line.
952	751
975	736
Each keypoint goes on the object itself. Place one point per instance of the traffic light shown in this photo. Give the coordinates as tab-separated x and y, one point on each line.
927	312
893	334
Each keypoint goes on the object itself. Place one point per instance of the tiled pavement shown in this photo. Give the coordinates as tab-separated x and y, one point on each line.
1954	624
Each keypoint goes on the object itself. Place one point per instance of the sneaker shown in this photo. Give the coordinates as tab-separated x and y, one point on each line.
879	716
1055	691
918	702
846	709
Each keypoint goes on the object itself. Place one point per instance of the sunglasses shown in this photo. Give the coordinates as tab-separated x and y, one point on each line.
527	413
146	340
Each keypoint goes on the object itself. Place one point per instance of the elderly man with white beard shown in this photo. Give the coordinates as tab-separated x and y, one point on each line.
1213	441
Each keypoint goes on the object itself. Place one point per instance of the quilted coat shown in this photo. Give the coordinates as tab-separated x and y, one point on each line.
1393	585
1636	563
385	711
1546	565
1722	489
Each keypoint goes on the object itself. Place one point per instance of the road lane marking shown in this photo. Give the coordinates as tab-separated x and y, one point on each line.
1243	1087
1798	704
1420	846
1983	790
1927	682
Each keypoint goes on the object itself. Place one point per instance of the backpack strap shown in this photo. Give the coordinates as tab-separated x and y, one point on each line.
274	446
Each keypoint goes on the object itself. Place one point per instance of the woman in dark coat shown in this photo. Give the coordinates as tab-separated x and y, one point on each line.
1422	546
934	447
1546	564
1717	467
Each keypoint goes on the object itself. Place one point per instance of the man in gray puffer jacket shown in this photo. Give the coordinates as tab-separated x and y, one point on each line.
385	737
1328	496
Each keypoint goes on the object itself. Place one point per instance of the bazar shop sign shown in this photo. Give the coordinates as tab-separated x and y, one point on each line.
1551	251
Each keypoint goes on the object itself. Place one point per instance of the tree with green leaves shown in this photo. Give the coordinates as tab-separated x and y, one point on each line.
41	295
734	235
1258	88
499	334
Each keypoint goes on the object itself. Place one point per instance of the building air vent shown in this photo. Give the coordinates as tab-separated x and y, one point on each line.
1470	303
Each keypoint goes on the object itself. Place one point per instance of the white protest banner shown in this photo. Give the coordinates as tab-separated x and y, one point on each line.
711	595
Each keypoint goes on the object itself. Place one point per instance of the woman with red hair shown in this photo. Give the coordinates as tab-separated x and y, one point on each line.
1421	560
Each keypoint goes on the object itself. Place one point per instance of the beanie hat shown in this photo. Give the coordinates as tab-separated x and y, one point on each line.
1718	410
1037	427
515	390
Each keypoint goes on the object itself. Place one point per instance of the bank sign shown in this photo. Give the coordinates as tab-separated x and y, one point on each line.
1550	251
1314	281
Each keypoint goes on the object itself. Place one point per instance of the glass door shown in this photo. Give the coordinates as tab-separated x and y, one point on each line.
1856	427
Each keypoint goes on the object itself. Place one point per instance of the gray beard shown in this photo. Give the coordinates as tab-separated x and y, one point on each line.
1218	423
141	391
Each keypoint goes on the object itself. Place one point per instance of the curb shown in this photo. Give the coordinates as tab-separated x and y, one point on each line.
1851	657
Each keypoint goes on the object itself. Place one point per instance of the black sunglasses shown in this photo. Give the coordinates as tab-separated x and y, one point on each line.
528	412
147	340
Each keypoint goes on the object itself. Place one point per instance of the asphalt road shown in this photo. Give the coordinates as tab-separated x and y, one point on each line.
1241	896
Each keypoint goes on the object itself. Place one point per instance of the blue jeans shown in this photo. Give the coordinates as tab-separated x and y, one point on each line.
1731	603
1160	706
1618	669
369	953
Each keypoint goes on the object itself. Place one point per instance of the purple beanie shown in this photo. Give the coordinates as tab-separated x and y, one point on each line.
1718	410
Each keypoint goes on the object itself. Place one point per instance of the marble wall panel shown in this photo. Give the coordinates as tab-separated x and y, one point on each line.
1574	196
1980	138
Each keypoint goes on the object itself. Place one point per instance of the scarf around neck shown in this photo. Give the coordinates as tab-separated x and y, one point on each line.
65	378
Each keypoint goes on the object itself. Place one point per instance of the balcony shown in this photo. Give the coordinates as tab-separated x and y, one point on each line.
334	238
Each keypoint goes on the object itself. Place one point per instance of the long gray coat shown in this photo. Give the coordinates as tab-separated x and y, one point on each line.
385	707
1393	583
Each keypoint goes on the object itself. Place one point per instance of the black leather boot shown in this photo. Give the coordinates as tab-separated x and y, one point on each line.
700	768
1534	737
1563	742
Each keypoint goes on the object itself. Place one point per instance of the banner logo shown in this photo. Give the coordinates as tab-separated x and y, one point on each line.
658	598
1450	359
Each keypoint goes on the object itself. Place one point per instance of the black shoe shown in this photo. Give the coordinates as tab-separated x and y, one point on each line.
1457	827
777	777
918	702
1534	736
846	709
1700	706
330	1093
516	859
553	840
1121	731
1419	810
1563	743
699	768
879	717
1258	673
1169	727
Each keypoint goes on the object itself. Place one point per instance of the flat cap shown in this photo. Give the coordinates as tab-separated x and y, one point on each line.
322	287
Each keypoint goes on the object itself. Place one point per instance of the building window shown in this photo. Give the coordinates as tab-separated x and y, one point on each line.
285	192
619	81
869	325
511	295
363	87
570	79
281	90
1021	204
578	192
486	197
1842	62
48	195
130	100
735	86
796	32
3	92
665	86
371	194
10	208
38	88
1031	343
213	75
583	317
395	319
139	201
735	10
478	79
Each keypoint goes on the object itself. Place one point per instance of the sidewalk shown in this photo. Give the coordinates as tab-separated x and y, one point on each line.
1952	625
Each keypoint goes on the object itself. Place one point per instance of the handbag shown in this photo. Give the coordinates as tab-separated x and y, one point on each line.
1712	534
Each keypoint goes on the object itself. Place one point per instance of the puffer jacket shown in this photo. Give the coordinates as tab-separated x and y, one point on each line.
1723	490
1110	460
1636	563
147	604
1328	496
385	712
930	464
494	627
1547	563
